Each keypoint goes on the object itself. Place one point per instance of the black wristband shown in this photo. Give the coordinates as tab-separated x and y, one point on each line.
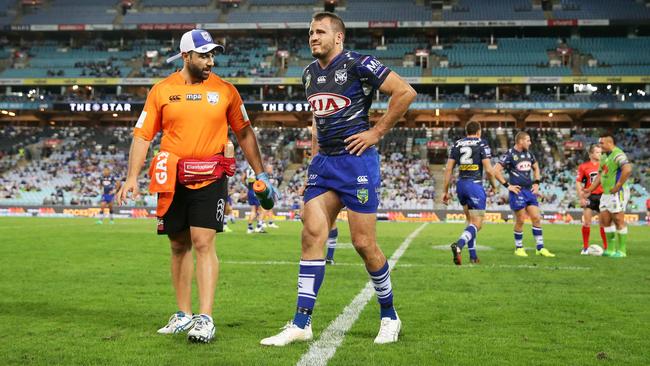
505	184
536	181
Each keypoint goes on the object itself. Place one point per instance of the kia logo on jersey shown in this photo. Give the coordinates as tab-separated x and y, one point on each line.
327	104
524	166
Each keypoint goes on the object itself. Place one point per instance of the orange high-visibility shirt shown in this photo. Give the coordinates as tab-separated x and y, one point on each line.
194	118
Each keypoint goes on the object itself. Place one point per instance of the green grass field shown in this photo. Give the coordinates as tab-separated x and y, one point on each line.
76	293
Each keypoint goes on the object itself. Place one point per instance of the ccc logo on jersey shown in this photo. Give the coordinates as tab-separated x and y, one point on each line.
174	98
327	104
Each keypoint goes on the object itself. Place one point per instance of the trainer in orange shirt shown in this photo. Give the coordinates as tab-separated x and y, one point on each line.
587	172
193	108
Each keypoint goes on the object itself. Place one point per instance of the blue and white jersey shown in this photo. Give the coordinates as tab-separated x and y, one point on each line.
469	153
108	184
340	96
250	178
519	165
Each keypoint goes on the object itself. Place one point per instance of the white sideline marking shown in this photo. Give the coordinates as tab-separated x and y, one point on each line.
323	349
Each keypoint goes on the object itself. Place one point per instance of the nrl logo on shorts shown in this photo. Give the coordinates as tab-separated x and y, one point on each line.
362	195
213	98
341	76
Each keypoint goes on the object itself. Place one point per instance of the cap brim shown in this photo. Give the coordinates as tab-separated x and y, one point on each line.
203	49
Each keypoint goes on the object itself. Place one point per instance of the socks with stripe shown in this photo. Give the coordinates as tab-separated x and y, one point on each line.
468	235
471	247
310	277
610	233
384	290
539	239
519	239
331	242
621	237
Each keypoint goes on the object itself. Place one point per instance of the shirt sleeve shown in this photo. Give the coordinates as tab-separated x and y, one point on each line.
454	153
581	174
486	152
150	120
237	116
621	159
505	160
374	71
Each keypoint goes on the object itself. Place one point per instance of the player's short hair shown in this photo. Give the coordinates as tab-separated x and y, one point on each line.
592	147
337	22
610	135
472	127
520	136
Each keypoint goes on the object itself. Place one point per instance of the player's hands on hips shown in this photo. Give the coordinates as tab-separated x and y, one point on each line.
273	192
615	189
128	186
514	189
445	198
358	143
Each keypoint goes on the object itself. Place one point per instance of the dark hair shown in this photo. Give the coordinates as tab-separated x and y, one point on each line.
520	136
472	127
610	135
337	22
592	147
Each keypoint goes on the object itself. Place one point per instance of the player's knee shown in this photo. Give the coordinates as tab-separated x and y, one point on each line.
203	244
180	248
311	236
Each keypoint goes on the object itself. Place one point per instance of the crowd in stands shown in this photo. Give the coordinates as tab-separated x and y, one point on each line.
69	172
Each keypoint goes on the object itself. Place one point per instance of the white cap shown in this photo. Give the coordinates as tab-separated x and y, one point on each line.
196	40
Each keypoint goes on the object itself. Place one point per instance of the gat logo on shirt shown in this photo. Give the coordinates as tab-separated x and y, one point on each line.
327	104
193	97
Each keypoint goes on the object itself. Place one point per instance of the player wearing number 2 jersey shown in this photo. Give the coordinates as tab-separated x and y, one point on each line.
472	155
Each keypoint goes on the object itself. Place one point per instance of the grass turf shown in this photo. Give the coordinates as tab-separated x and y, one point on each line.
77	293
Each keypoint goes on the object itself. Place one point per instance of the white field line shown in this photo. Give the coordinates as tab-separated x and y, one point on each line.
323	349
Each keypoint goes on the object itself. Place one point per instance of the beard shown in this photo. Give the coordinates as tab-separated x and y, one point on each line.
196	72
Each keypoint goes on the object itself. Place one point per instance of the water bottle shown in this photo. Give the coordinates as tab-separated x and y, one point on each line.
229	150
262	192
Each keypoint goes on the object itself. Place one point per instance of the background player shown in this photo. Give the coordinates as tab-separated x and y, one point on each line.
587	174
472	154
340	86
257	213
269	215
519	162
110	185
614	171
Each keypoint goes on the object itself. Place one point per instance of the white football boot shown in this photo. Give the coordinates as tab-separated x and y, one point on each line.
179	322
388	330
203	329
290	333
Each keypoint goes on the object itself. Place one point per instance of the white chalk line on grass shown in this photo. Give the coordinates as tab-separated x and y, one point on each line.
323	349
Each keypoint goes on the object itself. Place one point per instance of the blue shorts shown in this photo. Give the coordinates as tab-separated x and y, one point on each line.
108	198
471	193
525	198
252	198
355	179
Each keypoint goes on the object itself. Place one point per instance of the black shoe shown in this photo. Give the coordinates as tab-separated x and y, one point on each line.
329	261
455	253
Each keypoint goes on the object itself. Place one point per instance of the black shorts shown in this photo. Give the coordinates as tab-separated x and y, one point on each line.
203	207
593	202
